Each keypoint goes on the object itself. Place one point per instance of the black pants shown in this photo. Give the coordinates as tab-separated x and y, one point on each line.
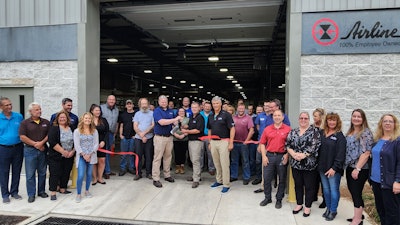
60	169
304	185
356	186
146	149
269	171
387	204
180	149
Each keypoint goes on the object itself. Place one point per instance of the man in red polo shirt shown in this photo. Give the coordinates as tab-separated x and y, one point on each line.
274	157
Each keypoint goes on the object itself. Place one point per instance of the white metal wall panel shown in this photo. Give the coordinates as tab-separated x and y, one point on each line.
19	13
339	5
27	12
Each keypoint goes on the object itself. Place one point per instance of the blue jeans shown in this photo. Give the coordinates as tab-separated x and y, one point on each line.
82	167
109	142
127	161
35	160
240	151
252	157
330	187
10	157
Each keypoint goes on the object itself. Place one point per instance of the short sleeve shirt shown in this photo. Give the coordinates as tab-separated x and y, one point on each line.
144	120
275	138
34	131
159	114
126	119
9	129
242	126
196	122
263	120
220	124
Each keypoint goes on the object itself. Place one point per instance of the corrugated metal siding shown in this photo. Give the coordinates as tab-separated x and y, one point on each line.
19	13
339	5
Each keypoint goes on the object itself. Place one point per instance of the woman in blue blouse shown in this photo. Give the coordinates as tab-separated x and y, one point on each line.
385	170
86	142
359	143
303	144
330	162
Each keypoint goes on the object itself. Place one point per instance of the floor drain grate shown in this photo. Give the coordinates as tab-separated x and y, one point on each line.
11	220
69	221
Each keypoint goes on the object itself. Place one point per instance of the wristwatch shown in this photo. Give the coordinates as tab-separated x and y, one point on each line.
358	169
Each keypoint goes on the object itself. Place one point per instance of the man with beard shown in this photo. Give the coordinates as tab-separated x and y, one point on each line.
143	124
66	104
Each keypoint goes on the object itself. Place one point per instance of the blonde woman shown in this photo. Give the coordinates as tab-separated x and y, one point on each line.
385	170
86	142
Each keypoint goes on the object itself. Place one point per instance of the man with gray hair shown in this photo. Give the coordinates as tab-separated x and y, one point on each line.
220	123
33	133
163	141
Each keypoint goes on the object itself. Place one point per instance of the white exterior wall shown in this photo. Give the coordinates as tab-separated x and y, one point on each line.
342	83
51	81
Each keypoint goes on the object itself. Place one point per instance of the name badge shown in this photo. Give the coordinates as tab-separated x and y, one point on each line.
333	138
262	119
219	118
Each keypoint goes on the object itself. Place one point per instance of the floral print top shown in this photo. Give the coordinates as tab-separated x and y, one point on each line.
355	147
308	143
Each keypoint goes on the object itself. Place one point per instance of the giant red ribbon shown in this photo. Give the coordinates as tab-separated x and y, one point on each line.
124	153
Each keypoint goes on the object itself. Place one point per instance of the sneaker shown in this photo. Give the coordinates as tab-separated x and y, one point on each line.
195	184
216	184
246	182
132	171
6	200
265	202
278	204
170	179
17	196
31	199
157	184
121	173
256	181
88	194
233	179
43	195
224	190
78	199
258	190
137	177
53	197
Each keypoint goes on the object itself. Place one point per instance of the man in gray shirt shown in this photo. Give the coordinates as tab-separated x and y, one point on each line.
110	113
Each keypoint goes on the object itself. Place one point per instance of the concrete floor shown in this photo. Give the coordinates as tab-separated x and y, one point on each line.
126	201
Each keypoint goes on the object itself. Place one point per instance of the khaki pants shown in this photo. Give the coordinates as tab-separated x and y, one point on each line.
195	148
162	150
220	155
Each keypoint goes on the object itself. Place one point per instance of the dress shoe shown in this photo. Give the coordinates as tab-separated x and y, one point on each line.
112	174
195	184
351	219
149	176
157	184
43	195
121	173
297	211
211	172
170	179
233	179
322	205
330	216
106	176
256	181
278	204
246	182
258	190
16	196
265	202
6	200
31	199
325	213
137	177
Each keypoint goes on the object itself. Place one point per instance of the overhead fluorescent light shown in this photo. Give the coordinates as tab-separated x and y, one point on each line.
168	78
237	85
148	71
201	87
208	92
213	59
234	81
151	85
240	87
193	85
229	77
163	86
150	92
183	81
223	70
112	60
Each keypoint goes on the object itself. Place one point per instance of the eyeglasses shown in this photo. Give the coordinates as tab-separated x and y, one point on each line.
388	121
303	118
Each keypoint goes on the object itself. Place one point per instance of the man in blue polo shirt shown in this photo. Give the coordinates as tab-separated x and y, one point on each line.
11	150
163	141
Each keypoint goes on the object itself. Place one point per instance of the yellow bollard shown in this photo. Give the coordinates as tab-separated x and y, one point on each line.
292	194
73	176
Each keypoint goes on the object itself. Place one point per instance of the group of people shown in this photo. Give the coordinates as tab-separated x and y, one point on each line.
217	137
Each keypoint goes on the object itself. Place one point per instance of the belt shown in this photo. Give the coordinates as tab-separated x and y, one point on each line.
276	153
162	135
11	146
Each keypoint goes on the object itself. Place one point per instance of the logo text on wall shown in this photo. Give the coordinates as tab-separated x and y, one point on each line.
351	32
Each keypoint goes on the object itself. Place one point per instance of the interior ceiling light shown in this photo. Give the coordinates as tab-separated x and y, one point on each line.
240	87
237	85
112	60
208	92
151	85
163	86
183	81
213	58
168	78
223	70
150	92
148	71
234	81
201	87
193	85
229	77
280	86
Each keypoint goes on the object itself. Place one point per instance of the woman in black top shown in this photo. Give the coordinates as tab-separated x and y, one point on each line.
102	128
331	160
61	154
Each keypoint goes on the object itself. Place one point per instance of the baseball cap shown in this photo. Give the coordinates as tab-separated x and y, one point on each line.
129	101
